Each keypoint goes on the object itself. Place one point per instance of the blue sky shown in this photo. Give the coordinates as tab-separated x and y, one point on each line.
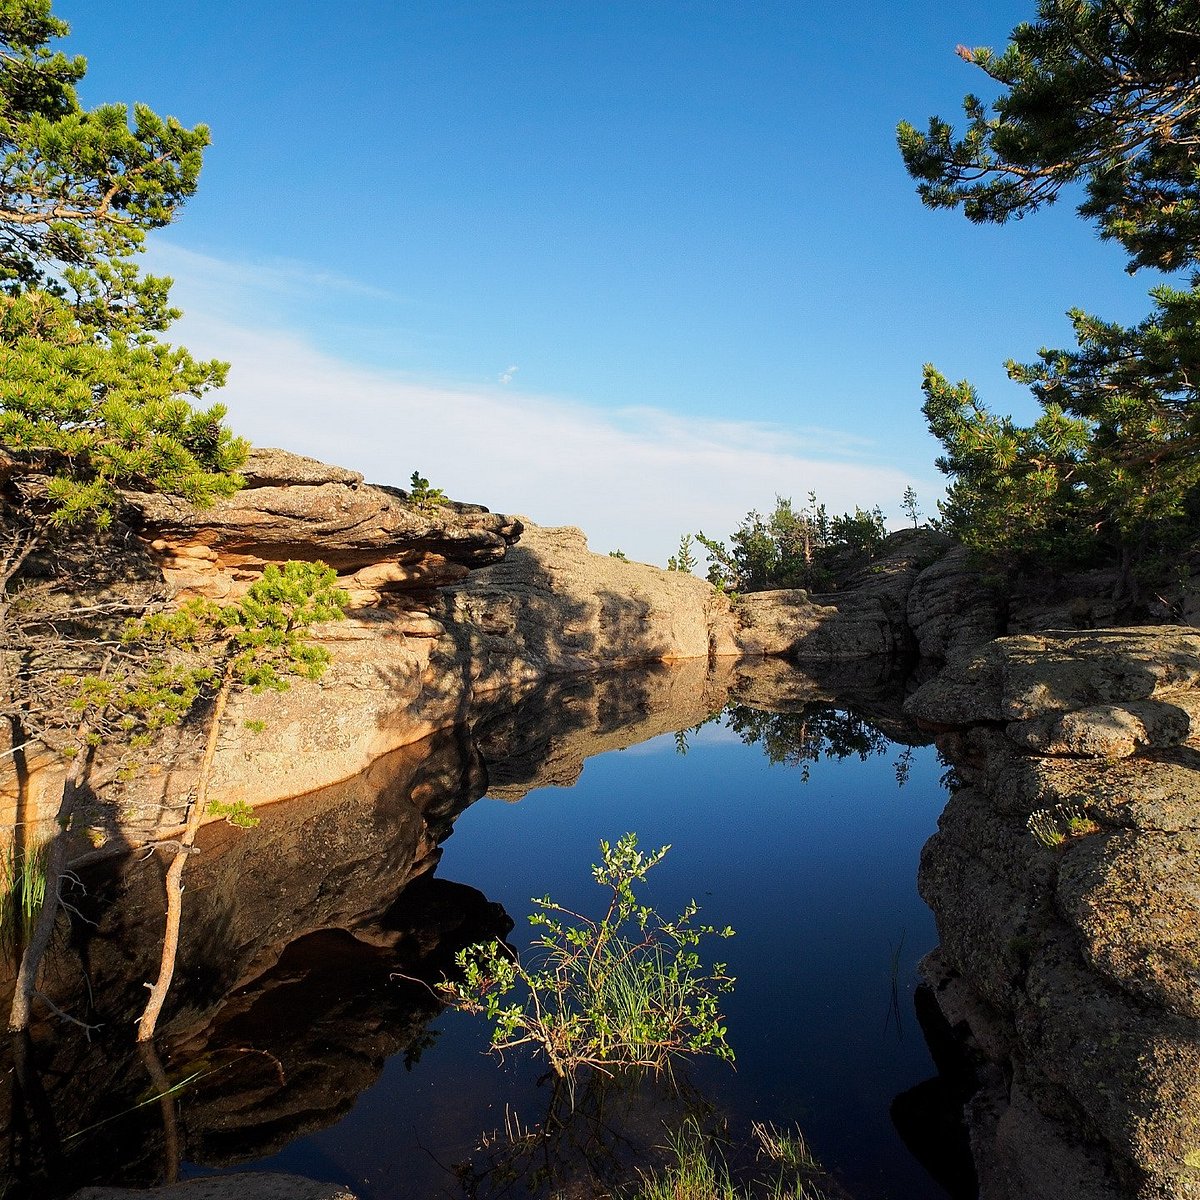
636	266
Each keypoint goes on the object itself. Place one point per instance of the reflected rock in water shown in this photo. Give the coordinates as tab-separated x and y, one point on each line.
285	1005
291	932
853	710
545	738
324	1019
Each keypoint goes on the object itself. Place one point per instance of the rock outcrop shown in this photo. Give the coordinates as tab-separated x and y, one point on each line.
294	507
553	607
1063	877
919	596
446	602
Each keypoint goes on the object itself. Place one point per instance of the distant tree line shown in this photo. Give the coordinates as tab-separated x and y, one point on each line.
790	547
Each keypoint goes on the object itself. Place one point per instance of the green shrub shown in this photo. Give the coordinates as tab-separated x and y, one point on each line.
422	496
625	991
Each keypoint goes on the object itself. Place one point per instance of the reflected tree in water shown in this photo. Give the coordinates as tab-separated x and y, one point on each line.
814	732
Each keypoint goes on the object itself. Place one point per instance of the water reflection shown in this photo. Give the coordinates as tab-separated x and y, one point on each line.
289	1009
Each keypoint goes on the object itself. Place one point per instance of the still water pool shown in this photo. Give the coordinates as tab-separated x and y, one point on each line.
802	832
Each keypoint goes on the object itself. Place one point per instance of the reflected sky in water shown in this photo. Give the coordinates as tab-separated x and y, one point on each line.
816	874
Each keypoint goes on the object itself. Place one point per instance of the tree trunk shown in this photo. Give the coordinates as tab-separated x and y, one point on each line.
56	869
173	883
172	1155
1128	588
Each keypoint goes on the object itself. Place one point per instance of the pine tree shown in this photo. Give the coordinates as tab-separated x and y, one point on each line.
90	400
1105	95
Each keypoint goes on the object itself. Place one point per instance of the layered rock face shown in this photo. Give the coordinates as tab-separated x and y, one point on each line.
1064	880
294	507
444	603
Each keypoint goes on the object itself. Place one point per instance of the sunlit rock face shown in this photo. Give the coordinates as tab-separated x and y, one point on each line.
1063	877
553	607
294	507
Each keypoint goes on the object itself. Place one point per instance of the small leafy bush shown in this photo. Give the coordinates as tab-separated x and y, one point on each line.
627	990
422	496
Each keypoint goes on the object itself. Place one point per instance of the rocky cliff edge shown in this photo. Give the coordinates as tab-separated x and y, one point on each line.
445	602
1064	880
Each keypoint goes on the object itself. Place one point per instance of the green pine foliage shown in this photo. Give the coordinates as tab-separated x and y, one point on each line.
793	548
1096	93
260	640
175	659
90	400
421	495
683	559
95	415
78	187
1105	96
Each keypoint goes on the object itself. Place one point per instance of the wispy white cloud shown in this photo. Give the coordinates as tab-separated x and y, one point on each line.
508	374
634	478
219	285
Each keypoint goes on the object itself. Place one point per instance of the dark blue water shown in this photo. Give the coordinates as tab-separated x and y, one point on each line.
813	864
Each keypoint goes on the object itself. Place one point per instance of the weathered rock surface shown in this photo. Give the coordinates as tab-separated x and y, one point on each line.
919	595
294	507
794	624
1061	672
949	606
1081	947
553	607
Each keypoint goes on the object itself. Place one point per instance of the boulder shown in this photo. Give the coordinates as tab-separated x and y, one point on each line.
918	594
554	607
1104	730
